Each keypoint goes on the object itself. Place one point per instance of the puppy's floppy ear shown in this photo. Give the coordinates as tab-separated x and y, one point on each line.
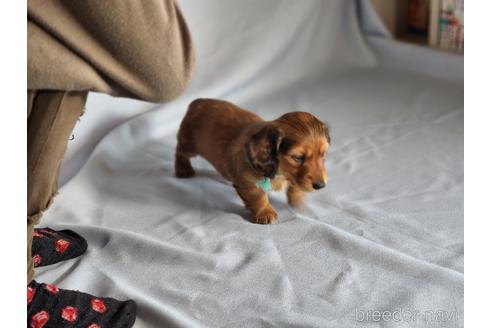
327	131
262	148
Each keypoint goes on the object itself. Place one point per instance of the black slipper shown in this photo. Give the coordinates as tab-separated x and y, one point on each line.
50	246
51	307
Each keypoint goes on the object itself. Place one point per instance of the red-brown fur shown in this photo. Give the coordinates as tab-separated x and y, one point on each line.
244	148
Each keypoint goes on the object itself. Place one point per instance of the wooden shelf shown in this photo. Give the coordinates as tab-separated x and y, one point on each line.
420	39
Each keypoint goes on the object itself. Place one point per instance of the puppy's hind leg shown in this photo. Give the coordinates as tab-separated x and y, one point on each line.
184	151
182	166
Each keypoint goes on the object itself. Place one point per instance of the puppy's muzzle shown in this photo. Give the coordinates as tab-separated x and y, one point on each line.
318	185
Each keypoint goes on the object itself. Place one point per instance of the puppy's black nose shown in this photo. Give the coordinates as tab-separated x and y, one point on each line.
318	185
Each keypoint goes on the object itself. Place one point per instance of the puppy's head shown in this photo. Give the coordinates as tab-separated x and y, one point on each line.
302	150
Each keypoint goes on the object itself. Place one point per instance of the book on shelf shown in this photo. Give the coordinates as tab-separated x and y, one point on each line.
446	29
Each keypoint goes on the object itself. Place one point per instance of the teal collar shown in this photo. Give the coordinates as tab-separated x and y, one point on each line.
265	184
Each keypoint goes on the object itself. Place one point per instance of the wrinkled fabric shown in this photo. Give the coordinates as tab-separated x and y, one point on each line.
385	234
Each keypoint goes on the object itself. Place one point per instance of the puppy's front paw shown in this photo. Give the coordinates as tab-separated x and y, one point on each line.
267	216
296	202
295	198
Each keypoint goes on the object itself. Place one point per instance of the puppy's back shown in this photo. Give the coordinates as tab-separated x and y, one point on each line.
220	111
212	120
212	127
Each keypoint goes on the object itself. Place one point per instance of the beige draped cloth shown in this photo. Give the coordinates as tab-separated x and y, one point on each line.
139	49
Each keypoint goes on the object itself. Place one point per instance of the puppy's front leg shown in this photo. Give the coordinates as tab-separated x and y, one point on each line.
295	196
256	200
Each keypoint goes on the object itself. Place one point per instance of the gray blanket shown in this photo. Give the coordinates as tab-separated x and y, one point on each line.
380	246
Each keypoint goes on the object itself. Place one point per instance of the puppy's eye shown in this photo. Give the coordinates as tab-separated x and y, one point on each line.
298	159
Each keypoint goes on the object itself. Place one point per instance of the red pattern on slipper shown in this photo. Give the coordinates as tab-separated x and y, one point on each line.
30	294
39	319
45	231
98	305
61	246
37	259
69	313
94	325
52	289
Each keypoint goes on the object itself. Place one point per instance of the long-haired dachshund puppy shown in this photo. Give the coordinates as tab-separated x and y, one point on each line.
255	154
